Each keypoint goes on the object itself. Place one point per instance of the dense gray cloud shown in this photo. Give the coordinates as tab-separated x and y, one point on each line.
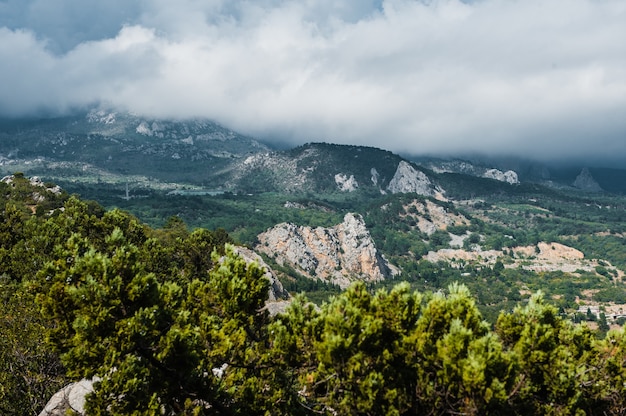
543	78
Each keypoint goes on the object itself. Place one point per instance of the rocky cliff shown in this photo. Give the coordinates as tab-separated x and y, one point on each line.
408	179
338	255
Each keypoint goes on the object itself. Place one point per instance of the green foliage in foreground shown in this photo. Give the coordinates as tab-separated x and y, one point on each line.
393	352
30	373
155	342
206	346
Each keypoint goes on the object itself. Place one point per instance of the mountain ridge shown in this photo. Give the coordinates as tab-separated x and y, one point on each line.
116	147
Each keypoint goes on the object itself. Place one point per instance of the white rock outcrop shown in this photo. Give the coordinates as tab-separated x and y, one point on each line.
509	176
430	217
408	179
345	183
375	176
338	255
69	400
35	181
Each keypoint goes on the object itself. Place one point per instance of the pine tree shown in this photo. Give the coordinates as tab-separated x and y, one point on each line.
154	344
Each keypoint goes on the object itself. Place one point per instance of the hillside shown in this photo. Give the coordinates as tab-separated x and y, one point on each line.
319	168
109	147
146	320
433	222
106	146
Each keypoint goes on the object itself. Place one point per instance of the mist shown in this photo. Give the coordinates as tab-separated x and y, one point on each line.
540	79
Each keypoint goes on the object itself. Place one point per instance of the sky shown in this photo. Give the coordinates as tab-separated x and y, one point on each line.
531	78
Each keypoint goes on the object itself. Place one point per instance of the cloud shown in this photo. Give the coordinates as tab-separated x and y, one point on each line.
541	78
64	24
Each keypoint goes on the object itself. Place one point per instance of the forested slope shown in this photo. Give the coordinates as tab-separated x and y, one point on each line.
169	328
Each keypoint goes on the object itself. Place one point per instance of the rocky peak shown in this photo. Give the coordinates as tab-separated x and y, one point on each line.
408	179
338	254
345	183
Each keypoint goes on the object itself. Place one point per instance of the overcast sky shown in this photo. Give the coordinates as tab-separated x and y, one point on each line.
540	78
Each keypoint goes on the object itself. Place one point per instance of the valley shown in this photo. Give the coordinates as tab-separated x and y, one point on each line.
505	233
313	208
506	243
362	254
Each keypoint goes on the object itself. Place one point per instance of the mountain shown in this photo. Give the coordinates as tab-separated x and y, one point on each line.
585	181
556	174
111	146
323	167
103	146
317	218
504	204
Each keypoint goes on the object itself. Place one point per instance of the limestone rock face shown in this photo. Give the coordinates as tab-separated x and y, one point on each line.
345	183
375	176
408	179
339	255
509	176
584	181
430	217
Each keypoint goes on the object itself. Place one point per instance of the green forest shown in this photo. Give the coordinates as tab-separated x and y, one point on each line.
169	320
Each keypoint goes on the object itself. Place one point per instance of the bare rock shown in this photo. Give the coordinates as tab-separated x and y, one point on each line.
339	254
345	183
375	176
70	398
509	176
430	217
408	179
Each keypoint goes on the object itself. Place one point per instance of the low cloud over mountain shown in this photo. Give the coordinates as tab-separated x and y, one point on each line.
534	78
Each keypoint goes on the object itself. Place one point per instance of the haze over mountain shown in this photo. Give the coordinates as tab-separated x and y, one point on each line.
536	79
111	147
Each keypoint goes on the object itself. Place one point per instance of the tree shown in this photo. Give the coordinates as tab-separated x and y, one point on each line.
603	325
12	220
359	353
550	355
29	371
154	343
608	374
389	353
459	366
498	267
